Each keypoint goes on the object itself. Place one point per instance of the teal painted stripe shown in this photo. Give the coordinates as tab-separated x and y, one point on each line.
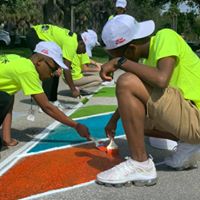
63	135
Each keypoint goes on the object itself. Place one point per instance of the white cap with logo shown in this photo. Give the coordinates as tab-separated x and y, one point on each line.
91	40
52	50
124	28
121	4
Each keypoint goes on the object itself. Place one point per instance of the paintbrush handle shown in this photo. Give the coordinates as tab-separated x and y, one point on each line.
94	140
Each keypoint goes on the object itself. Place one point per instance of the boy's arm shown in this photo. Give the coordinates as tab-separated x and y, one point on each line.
112	124
93	62
88	68
68	78
42	100
91	66
155	76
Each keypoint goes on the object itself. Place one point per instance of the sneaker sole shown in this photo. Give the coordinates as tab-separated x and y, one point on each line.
139	183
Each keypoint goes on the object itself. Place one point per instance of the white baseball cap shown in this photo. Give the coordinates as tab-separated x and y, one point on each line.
124	28
51	50
90	39
121	3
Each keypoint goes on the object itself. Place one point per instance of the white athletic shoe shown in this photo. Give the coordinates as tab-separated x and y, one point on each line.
129	171
58	105
185	156
108	83
40	110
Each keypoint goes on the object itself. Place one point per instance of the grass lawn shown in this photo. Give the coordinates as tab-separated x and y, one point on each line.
25	52
99	54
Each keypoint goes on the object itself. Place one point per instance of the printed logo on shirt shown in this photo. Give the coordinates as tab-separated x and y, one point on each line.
45	27
4	59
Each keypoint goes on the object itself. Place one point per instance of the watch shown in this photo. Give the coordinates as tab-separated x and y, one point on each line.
120	62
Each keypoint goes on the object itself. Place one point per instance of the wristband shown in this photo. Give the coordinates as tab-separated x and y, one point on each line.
120	62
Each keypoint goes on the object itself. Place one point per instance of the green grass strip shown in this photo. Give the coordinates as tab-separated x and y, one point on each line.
106	92
92	110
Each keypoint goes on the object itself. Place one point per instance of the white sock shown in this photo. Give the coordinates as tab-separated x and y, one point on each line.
143	163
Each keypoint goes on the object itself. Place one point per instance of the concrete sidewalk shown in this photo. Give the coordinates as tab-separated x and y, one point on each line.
172	185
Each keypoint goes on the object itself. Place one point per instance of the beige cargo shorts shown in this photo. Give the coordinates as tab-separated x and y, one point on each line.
168	111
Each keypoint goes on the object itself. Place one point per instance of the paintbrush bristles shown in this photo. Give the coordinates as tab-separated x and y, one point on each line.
112	145
112	149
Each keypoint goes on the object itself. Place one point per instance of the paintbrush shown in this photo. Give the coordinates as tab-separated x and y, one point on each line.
99	144
112	148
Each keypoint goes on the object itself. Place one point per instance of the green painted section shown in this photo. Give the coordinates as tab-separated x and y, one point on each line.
85	100
92	110
106	92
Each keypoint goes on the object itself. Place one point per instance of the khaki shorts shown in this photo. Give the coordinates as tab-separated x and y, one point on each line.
168	111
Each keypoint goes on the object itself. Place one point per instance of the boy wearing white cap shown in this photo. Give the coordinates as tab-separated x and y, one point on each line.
154	98
18	73
84	69
83	75
120	8
90	39
69	42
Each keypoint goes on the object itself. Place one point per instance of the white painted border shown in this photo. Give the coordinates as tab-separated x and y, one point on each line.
57	191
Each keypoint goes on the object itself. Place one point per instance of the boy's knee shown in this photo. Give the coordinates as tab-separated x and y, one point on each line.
127	80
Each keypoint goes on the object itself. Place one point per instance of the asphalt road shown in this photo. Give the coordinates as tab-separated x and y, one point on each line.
172	185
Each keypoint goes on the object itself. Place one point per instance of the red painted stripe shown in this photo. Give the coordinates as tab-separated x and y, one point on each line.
53	170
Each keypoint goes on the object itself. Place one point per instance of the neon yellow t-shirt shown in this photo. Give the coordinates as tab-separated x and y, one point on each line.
8	57
78	61
18	73
186	74
62	37
110	17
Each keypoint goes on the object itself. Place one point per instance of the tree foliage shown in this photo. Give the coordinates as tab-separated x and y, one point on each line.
94	13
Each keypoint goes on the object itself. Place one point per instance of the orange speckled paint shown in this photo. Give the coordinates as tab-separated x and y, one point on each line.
54	170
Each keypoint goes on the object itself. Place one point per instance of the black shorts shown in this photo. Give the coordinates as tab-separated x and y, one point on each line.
6	101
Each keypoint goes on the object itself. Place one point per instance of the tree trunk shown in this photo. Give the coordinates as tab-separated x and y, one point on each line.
47	8
67	14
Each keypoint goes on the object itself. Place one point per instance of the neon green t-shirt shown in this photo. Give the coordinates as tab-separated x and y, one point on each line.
186	74
8	57
62	37
18	73
78	61
110	17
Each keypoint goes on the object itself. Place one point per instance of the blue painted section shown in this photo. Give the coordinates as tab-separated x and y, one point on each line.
64	135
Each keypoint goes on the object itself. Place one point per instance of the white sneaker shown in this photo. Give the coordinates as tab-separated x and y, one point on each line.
129	171
185	157
58	105
108	83
40	110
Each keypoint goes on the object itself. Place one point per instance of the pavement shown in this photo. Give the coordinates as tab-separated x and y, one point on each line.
172	185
